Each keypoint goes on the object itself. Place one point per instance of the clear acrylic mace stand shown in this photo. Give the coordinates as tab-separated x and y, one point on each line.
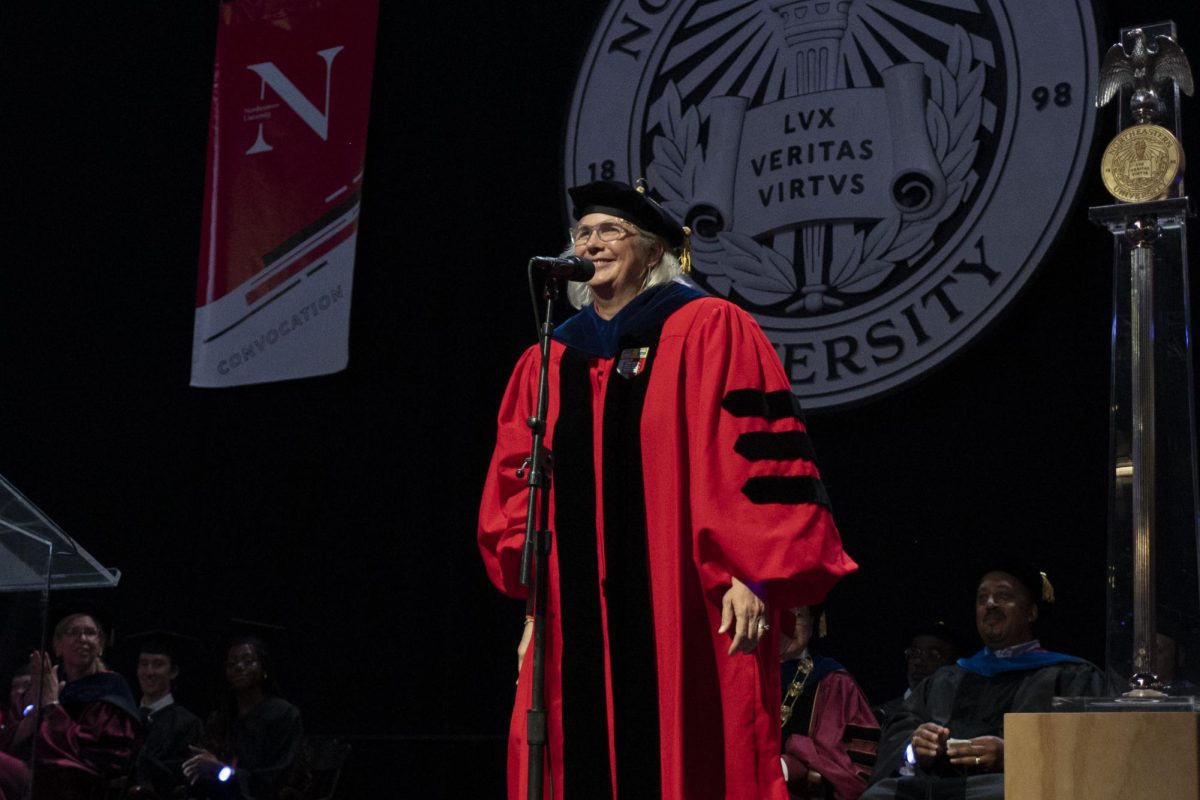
1158	517
1153	615
36	557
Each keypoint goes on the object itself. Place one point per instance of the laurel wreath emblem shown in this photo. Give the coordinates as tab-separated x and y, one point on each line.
863	257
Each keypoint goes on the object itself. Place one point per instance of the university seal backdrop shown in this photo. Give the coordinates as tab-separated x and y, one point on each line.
875	181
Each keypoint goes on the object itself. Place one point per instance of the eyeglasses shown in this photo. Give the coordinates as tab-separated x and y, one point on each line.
77	632
247	662
925	654
605	232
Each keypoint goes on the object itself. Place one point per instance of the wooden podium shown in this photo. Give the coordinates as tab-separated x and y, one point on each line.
1130	755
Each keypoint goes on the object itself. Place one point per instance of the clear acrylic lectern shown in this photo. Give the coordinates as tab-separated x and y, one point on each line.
36	558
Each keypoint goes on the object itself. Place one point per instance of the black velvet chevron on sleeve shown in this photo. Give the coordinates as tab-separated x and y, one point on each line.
768	405
774	446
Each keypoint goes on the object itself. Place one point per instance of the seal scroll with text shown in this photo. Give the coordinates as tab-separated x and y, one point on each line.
874	180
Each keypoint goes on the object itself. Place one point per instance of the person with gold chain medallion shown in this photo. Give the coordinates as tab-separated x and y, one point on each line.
829	733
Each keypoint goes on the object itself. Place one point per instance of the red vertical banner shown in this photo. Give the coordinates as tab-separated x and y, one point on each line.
287	142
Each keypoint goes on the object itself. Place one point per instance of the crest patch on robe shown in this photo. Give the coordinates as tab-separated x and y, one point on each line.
632	361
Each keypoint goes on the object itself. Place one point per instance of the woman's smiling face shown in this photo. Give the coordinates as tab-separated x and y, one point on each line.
621	264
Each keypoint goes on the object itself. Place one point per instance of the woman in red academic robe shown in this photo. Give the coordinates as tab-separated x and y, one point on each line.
685	501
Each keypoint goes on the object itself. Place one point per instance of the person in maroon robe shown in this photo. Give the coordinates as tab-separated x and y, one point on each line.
829	733
86	721
18	705
14	778
685	504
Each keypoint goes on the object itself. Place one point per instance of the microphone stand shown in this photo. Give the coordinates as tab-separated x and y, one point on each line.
536	551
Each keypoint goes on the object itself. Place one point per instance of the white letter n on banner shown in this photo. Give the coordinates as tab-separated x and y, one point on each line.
287	91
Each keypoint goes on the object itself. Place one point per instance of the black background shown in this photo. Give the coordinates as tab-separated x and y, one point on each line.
344	507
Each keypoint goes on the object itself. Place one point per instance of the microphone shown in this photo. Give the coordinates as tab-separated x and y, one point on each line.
573	268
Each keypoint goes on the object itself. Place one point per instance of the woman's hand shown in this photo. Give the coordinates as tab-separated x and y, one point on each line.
985	752
743	614
46	684
526	637
202	764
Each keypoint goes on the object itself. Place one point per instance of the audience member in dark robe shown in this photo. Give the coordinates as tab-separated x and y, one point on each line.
87	720
951	729
930	647
252	741
18	693
829	734
169	729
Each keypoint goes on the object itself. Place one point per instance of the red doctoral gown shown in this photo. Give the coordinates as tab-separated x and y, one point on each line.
676	467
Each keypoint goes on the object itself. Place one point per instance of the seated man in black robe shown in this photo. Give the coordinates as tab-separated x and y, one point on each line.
930	646
168	728
951	729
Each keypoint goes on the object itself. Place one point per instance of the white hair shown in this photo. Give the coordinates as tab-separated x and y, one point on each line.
666	269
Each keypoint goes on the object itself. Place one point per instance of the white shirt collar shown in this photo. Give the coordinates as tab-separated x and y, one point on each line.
1018	649
159	704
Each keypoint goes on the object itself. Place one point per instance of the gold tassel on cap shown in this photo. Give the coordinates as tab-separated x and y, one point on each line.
822	627
1047	589
685	255
685	252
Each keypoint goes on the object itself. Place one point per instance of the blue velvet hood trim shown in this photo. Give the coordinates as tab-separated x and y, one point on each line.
601	338
822	666
987	663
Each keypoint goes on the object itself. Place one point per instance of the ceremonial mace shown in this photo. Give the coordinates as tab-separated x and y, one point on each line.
1153	466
